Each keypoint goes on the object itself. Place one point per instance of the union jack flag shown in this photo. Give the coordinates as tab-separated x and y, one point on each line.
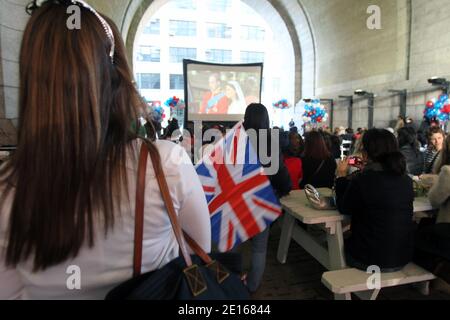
240	197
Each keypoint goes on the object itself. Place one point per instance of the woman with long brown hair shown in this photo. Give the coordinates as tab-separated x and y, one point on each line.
68	193
319	166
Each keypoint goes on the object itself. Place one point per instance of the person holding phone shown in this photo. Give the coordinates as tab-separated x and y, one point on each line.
379	200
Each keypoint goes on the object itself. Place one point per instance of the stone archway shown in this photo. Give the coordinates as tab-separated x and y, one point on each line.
281	15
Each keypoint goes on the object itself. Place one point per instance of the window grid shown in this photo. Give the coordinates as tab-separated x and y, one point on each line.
176	82
178	54
183	28
148	80
218	30
219	56
252	57
253	33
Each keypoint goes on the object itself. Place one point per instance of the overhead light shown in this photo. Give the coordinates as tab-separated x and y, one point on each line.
438	81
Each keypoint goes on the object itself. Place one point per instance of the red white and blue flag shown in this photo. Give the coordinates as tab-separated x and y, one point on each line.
241	200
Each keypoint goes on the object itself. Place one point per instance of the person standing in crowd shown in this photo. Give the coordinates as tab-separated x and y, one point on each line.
319	166
215	100
409	147
76	143
380	202
257	118
436	138
292	160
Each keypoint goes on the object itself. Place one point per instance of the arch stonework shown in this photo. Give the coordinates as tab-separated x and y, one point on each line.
281	15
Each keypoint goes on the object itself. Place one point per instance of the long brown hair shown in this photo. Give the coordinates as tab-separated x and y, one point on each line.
75	115
316	146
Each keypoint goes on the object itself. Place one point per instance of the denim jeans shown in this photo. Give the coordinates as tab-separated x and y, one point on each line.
259	254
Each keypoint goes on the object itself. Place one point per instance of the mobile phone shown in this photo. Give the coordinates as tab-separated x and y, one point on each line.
355	161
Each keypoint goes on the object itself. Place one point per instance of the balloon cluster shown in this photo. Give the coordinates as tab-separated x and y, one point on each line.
315	112
282	104
156	112
438	109
174	102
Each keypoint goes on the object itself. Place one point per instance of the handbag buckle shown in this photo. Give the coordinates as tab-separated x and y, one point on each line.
195	280
221	273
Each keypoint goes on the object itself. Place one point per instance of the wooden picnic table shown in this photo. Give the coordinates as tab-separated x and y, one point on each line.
329	253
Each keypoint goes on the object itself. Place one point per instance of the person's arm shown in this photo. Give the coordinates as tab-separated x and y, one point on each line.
281	181
11	286
222	106
440	192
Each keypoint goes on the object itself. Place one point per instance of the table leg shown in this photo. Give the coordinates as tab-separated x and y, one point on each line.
286	236
335	240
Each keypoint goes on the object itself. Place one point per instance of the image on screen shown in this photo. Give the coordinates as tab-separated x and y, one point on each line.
221	93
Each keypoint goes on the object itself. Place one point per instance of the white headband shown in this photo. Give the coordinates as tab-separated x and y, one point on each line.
106	26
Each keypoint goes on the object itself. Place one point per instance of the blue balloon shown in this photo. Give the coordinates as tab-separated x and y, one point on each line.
443	98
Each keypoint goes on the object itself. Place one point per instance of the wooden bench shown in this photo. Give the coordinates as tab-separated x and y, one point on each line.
347	281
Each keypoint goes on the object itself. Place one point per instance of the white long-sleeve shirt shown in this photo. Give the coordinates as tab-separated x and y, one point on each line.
110	261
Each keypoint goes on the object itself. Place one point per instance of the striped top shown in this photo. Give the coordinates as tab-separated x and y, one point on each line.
430	157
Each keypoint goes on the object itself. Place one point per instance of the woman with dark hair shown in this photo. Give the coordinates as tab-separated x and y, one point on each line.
319	166
380	201
409	147
68	195
257	119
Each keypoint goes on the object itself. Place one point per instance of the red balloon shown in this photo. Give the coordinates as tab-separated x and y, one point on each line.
430	104
446	108
319	119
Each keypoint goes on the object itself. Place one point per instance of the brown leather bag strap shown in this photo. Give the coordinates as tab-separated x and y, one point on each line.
165	193
197	249
139	211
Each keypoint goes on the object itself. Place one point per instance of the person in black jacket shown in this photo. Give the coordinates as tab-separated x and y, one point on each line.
409	147
257	118
319	165
380	201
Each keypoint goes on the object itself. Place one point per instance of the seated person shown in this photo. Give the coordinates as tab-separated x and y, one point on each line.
409	147
292	159
380	201
319	166
433	242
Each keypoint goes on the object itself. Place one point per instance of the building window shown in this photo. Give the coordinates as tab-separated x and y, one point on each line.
152	27
178	54
183	28
148	80
218	56
219	5
149	54
219	30
253	33
176	82
186	4
252	57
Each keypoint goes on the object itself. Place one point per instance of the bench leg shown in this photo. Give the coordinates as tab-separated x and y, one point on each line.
368	295
336	247
286	236
423	287
345	296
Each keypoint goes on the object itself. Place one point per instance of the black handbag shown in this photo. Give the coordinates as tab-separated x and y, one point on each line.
196	277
